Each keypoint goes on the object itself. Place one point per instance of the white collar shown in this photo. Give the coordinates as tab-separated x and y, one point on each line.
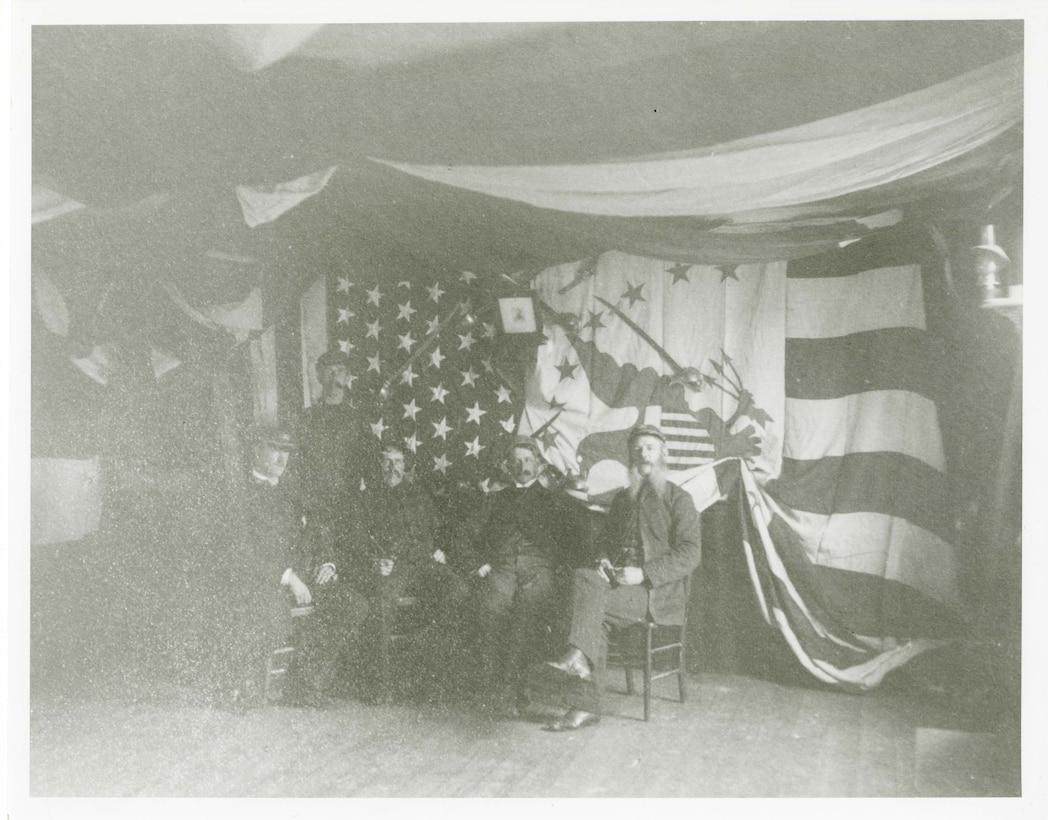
525	486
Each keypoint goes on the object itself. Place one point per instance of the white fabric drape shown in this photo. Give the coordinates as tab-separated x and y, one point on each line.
821	160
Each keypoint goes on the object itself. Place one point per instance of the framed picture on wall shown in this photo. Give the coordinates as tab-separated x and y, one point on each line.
519	315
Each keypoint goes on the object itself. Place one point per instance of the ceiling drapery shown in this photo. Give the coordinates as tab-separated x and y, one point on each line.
832	158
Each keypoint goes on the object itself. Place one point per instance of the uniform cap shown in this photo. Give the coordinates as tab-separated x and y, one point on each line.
647	430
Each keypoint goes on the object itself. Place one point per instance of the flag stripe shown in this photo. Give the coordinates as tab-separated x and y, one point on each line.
870	300
889	483
912	553
864	604
877	421
891	248
681	446
892	359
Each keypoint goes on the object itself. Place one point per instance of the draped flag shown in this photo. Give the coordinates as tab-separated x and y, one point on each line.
814	386
423	375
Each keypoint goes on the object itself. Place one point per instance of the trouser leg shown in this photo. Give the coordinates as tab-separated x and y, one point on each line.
596	609
494	611
324	639
529	618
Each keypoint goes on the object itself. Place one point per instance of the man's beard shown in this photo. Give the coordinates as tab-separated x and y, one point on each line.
656	478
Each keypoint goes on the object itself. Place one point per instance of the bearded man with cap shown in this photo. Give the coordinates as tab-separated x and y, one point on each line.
528	534
652	544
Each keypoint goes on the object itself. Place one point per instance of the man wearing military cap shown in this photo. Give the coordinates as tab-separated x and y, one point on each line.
264	570
652	543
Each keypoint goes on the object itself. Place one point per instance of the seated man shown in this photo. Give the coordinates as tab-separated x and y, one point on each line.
269	558
526	537
652	544
390	553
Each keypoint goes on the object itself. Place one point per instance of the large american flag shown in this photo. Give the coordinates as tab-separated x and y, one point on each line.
445	400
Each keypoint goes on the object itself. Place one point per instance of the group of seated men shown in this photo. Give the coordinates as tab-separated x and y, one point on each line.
530	565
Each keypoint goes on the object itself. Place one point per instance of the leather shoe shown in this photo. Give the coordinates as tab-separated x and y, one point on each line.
573	663
573	719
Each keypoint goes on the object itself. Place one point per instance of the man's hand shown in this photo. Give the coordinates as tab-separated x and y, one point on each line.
629	576
440	557
606	569
484	570
385	566
326	573
301	592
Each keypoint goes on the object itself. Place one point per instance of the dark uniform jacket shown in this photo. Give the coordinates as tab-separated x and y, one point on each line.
527	521
396	523
329	463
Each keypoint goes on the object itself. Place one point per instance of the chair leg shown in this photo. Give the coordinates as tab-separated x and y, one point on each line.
681	687
629	679
647	673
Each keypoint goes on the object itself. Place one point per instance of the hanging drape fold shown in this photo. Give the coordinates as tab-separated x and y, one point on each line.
831	158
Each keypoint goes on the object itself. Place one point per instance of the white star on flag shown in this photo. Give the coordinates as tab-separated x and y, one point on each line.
408	377
373	330
475	413
344	285
441	463
375	296
411	442
488	366
465	341
508	425
474	447
489	331
432	325
345	345
436	358
435	292
404	283
374	363
344	315
441	428
468	377
411	409
504	395
439	393
405	311
467	277
378	428
406	342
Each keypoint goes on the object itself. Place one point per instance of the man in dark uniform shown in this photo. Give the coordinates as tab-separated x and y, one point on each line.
652	544
331	444
263	571
390	554
527	536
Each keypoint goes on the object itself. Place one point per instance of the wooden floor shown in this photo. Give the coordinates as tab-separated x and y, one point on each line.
735	737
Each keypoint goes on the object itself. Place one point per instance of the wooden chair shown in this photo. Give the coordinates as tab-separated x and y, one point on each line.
279	662
644	645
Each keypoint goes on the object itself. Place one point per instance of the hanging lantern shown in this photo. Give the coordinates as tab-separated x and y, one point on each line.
989	260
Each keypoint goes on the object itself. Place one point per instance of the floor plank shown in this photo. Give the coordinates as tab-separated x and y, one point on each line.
736	736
